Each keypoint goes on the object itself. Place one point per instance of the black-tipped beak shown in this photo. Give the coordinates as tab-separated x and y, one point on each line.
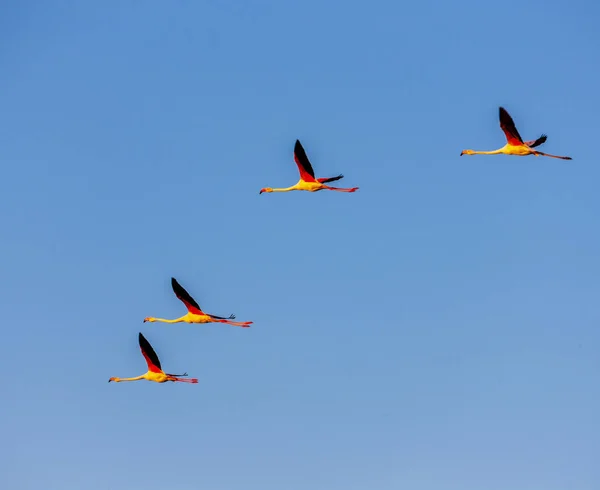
260	193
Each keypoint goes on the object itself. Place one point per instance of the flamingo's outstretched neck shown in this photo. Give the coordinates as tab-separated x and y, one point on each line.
481	152
163	320
494	152
118	380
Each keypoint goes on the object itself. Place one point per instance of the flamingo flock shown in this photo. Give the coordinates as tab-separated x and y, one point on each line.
308	182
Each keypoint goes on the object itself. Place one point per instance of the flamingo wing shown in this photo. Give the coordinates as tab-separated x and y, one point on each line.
149	355
541	140
324	180
508	126
230	317
307	174
184	296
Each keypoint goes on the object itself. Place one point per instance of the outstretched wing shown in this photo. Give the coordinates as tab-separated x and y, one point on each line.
508	126
541	140
149	355
307	174
185	297
230	317
324	180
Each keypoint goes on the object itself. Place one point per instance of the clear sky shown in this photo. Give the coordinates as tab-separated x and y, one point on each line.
438	329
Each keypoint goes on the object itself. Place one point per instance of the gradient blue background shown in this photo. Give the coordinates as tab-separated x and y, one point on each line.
438	329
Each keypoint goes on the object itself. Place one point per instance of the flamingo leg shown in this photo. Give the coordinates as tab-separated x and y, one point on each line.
185	380
235	324
339	189
551	156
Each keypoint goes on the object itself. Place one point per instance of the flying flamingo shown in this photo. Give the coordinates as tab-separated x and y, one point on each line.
155	372
515	144
194	314
307	181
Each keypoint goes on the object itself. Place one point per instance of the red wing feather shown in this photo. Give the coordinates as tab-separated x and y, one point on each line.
307	174
149	355
185	297
508	126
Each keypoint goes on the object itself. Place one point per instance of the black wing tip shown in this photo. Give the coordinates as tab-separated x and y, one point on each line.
331	179
299	151
230	317
149	351
177	375
175	284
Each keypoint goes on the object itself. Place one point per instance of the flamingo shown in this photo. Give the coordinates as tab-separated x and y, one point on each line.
307	181
155	372
514	142
194	314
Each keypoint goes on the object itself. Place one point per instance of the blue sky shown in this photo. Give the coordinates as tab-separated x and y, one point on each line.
436	329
